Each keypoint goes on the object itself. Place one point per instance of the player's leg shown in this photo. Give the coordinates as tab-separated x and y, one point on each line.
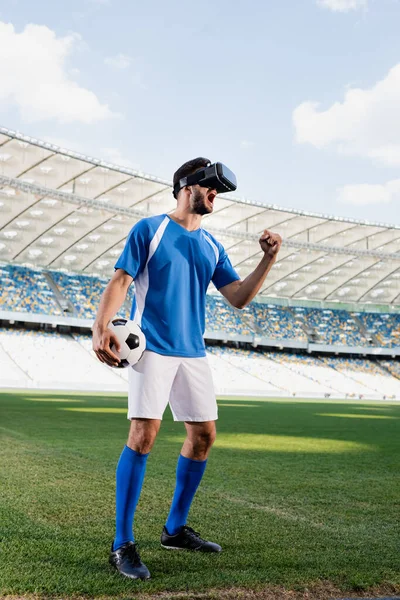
150	382
189	472
130	473
193	401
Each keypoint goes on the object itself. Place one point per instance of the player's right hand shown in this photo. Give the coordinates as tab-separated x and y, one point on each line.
102	342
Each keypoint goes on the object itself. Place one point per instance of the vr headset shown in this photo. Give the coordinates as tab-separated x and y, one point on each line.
216	176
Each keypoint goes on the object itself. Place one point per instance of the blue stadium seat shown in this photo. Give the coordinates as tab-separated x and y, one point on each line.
26	290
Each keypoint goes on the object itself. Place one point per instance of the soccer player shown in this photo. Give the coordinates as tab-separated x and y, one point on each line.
172	260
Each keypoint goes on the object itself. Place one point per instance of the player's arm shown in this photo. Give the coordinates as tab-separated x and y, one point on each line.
111	301
240	293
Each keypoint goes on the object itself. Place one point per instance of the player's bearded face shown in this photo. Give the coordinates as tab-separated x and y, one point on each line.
202	200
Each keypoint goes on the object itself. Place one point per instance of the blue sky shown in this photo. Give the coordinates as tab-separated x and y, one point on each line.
298	97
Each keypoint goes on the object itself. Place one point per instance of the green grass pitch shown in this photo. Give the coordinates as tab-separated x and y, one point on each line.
296	492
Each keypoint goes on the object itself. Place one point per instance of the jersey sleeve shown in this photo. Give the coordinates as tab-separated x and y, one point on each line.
134	255
224	272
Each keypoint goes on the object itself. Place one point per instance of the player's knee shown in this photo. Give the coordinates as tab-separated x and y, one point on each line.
211	438
145	446
142	435
141	443
204	440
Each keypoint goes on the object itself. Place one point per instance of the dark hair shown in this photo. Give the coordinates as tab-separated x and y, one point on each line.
189	167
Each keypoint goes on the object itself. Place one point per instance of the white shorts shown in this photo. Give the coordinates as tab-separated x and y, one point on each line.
186	383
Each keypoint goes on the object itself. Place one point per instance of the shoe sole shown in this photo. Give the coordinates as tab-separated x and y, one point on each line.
173	547
128	576
133	578
190	549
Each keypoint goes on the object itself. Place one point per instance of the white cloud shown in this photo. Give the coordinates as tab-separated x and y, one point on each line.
36	79
365	124
365	193
120	61
342	5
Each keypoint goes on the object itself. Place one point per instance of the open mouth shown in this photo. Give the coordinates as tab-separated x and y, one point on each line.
211	198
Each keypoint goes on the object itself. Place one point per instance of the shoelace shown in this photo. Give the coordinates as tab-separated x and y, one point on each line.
193	533
132	552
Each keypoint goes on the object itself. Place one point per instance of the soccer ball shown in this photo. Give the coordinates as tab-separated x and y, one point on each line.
131	339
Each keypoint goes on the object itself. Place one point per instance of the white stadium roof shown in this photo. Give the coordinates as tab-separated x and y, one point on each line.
62	210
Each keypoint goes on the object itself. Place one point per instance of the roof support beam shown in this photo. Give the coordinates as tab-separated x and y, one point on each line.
101	163
40	190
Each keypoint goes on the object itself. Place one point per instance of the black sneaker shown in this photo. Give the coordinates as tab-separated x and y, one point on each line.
187	539
127	561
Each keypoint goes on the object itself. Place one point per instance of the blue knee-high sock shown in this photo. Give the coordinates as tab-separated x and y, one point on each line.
188	476
130	474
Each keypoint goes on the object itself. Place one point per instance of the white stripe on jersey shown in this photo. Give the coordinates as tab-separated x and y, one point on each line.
213	246
142	282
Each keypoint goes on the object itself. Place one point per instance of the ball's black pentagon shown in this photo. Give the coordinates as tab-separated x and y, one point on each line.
132	341
123	363
119	322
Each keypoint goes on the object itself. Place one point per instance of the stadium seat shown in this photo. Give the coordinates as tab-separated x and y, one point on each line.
26	290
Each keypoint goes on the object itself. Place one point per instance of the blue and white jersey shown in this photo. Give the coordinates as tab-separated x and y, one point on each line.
172	268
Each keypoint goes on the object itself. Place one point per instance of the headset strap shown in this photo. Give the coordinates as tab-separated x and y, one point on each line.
189	180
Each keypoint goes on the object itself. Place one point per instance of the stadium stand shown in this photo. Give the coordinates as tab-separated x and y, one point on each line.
384	327
366	372
11	374
334	327
84	292
274	373
26	290
392	366
322	373
221	316
277	322
300	375
229	376
232	369
50	360
86	342
55	361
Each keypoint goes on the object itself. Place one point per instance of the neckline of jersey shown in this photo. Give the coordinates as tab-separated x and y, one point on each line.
184	228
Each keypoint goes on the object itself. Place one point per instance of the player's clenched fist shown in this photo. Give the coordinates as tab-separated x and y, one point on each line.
270	243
